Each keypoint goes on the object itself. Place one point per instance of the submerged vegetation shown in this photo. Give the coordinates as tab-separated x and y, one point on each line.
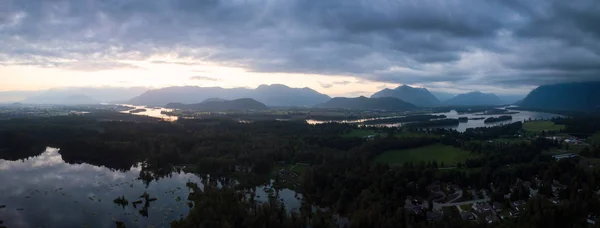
121	201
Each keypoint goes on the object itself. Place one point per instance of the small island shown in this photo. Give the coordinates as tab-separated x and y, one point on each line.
463	119
435	123
139	110
497	112
404	119
497	119
477	118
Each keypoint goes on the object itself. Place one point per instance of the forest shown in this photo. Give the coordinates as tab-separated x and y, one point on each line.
341	174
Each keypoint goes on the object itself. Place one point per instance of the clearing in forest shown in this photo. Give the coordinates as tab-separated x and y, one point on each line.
538	126
449	155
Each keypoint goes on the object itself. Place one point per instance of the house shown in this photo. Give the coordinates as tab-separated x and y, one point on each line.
491	219
518	204
591	219
414	205
558	157
514	214
497	206
370	137
434	216
482	207
467	216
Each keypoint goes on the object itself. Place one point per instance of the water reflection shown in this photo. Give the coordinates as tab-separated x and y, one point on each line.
44	191
151	111
520	116
290	199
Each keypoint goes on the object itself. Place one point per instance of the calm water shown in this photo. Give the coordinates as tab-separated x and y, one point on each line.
152	112
521	116
44	191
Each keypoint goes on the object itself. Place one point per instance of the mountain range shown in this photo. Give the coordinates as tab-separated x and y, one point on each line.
364	103
73	95
63	99
583	96
417	96
474	99
221	105
271	95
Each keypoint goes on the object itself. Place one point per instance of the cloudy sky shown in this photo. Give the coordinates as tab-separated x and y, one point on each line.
338	47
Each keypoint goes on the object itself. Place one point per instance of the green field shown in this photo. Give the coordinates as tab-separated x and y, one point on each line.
538	126
438	152
466	207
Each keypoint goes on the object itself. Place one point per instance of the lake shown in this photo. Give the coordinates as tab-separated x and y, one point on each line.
44	191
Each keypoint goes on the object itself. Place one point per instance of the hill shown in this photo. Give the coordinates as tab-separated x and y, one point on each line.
272	95
363	103
221	105
417	96
61	99
567	96
214	100
474	99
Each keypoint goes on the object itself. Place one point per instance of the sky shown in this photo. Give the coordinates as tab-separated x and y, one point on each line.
337	47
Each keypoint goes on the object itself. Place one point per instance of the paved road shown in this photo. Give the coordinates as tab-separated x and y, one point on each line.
439	206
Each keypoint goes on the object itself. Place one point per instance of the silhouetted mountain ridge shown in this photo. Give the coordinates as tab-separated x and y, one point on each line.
272	95
417	96
474	98
363	103
63	99
582	96
221	105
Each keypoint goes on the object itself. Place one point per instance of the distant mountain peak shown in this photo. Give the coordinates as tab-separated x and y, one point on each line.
417	96
581	96
265	86
223	105
272	95
474	98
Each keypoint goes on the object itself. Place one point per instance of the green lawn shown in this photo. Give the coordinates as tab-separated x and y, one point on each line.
438	152
538	126
300	169
466	207
360	133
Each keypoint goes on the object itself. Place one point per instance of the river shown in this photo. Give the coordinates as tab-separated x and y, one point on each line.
461	127
520	116
151	111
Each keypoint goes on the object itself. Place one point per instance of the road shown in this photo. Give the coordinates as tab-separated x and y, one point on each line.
438	206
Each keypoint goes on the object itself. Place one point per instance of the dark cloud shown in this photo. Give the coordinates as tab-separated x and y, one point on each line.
505	42
203	78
